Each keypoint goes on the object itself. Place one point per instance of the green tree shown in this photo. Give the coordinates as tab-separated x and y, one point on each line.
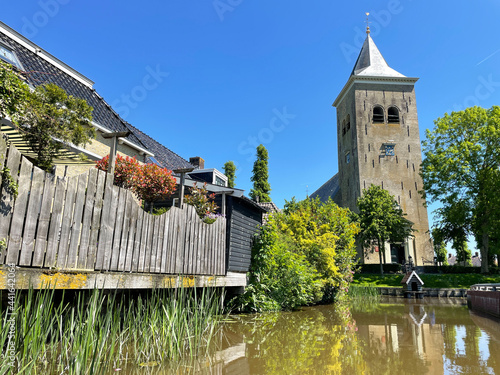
51	118
13	92
439	246
230	172
461	166
381	220
261	187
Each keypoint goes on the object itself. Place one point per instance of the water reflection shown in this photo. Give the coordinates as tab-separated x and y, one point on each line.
395	337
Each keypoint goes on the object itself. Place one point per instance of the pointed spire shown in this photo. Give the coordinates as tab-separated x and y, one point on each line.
370	61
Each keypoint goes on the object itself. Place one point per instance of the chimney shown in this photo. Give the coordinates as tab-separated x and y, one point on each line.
197	162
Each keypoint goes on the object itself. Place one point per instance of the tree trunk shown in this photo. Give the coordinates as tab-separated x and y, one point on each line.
380	257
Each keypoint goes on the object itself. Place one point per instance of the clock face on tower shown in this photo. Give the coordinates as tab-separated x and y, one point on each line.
7	55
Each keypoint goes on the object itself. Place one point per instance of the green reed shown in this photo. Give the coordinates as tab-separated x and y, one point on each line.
365	298
97	331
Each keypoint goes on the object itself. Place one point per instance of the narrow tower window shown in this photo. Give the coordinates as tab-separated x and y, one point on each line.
393	115
348	125
378	114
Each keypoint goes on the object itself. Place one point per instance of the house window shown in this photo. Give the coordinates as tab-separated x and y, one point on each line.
347	157
8	55
393	115
378	114
219	181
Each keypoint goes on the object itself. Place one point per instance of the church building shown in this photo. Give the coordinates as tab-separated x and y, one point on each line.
379	143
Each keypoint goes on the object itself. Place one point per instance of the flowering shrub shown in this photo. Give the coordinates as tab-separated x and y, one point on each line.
211	218
126	169
153	183
201	201
149	182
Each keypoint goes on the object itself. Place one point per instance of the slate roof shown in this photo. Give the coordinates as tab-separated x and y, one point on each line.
40	71
371	63
163	156
330	189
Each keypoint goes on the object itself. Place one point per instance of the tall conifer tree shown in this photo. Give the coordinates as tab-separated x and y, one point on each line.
261	187
230	172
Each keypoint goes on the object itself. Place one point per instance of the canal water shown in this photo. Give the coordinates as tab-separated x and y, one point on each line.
397	336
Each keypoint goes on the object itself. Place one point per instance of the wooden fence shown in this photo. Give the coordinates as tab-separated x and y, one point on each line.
86	223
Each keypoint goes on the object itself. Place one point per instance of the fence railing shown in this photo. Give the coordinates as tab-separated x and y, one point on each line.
87	223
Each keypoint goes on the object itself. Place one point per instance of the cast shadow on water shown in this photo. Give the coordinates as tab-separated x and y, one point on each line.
432	336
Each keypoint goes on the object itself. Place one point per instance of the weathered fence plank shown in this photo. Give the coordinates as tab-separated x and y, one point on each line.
125	231
188	240
35	198
170	239
154	244
160	235
55	222
13	160
67	219
180	242
137	241
164	245
19	212
134	213
117	233
149	243
76	223
86	220
44	220
96	220
143	243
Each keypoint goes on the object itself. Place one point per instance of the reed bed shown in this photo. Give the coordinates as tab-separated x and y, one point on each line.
364	298
98	331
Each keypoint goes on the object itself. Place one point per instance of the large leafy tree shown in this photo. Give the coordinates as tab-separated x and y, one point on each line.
461	171
439	246
51	118
47	117
261	187
230	172
381	220
13	92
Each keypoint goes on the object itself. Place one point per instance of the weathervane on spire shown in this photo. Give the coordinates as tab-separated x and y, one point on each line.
367	23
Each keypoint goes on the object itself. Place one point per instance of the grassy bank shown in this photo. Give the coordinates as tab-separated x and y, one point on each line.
460	281
96	332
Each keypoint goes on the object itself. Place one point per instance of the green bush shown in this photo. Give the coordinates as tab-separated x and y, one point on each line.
302	256
280	279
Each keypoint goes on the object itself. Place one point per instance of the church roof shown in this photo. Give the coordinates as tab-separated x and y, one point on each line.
330	189
371	63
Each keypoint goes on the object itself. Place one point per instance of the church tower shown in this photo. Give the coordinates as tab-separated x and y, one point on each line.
379	144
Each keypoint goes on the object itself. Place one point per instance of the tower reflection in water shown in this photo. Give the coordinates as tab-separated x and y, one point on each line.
411	337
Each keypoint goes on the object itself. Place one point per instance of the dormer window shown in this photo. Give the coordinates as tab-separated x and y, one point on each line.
8	55
378	114
393	115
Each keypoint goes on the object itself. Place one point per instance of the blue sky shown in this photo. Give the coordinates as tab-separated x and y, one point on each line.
231	74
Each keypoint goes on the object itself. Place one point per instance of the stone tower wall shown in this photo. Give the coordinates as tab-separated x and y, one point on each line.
369	164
